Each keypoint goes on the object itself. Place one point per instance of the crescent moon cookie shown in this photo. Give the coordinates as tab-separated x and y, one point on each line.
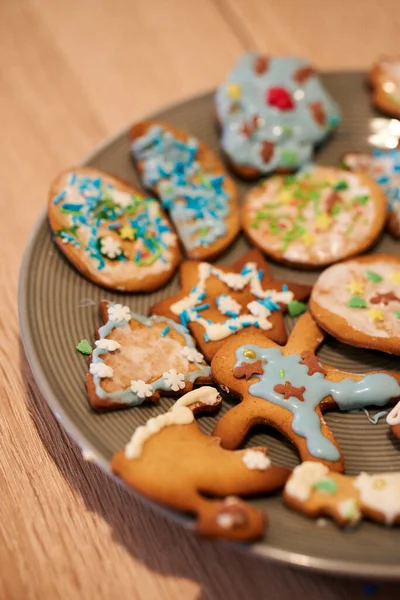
317	217
384	167
393	419
192	184
272	112
384	78
288	388
112	234
137	359
358	302
171	461
315	491
216	302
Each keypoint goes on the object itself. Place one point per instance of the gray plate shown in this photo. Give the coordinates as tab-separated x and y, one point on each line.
58	307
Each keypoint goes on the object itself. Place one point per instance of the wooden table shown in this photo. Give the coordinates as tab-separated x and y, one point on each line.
73	72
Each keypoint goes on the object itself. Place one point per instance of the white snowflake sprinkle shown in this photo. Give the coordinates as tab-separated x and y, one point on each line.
192	355
119	312
101	370
110	247
175	381
106	344
141	388
255	460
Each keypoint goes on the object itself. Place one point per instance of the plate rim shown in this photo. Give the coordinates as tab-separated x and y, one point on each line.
287	558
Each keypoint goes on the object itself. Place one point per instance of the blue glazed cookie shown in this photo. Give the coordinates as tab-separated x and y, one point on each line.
272	112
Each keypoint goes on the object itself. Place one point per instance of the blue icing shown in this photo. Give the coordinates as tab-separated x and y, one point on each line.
390	178
293	132
98	204
196	200
374	389
127	396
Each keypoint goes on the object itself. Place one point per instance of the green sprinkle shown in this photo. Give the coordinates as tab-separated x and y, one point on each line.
84	347
294	234
286	130
296	308
336	209
282	374
341	185
397	314
254	224
360	199
289	157
327	486
289	179
373	277
357	302
203	231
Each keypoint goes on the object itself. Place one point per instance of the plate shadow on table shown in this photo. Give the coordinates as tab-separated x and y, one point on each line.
178	550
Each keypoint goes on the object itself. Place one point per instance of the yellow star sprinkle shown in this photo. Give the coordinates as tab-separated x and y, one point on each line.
356	288
323	221
127	233
375	314
395	276
308	238
285	196
234	91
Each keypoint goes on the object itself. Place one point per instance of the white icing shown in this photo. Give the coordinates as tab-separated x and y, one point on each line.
349	510
380	492
177	416
122	198
393	417
255	460
173	380
302	480
192	355
141	388
228	305
206	395
106	344
332	293
118	312
101	370
110	247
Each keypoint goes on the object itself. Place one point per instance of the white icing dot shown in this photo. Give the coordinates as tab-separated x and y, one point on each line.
106	344
255	460
303	477
101	370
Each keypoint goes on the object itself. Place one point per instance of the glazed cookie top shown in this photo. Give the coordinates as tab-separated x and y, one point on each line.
316	217
119	234
272	112
192	186
365	294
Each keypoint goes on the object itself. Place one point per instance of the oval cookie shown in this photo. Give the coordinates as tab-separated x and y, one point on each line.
384	78
192	185
317	217
272	111
112	234
358	302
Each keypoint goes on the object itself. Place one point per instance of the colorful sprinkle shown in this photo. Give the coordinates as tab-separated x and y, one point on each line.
282	374
296	308
395	277
327	486
165	331
357	302
376	315
84	347
355	287
373	277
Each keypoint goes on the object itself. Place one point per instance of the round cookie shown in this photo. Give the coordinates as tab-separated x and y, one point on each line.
111	233
384	78
317	217
358	302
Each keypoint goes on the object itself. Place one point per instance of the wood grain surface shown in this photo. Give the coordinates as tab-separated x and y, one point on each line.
71	73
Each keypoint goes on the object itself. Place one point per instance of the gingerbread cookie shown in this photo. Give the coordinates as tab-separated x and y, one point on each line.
393	419
288	388
317	217
171	461
216	302
137	358
384	167
358	302
110	232
384	78
315	490
272	112
192	185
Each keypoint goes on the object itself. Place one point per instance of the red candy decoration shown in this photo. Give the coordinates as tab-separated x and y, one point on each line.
280	98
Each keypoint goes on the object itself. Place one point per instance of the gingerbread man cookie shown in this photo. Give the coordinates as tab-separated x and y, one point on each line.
292	391
393	419
216	302
358	302
384	79
192	185
171	461
111	233
137	358
384	167
315	490
317	217
272	112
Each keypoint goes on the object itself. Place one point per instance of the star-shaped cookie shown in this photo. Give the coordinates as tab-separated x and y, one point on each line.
216	302
293	390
